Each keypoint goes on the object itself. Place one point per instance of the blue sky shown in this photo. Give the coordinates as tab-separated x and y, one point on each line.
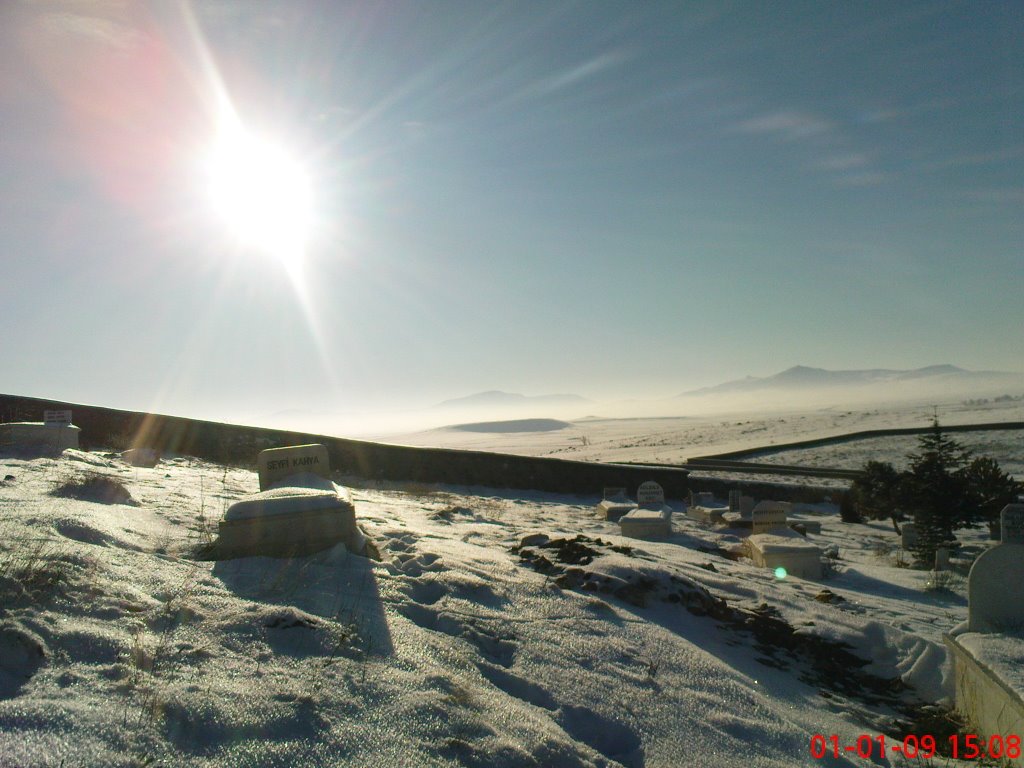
611	199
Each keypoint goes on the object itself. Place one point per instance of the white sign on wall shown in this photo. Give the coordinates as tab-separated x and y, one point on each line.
57	418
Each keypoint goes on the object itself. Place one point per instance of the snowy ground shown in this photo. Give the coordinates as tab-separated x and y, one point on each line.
675	439
478	639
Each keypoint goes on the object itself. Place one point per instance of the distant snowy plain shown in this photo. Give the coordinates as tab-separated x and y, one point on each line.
673	440
458	647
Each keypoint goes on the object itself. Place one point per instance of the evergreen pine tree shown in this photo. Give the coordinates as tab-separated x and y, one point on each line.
990	489
935	491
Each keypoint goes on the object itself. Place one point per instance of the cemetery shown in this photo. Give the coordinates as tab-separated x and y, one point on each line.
448	596
776	541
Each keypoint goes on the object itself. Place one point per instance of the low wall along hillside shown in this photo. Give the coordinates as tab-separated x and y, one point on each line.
109	428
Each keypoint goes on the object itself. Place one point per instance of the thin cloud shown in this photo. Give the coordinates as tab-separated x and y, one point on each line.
825	143
974	159
843	162
574	75
865	178
789	126
1002	195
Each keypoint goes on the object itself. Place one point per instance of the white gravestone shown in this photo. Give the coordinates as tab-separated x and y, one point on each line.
653	520
276	464
768	516
650	495
995	586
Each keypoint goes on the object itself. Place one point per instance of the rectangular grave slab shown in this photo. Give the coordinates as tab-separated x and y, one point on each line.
647	524
275	465
708	515
786	549
38	438
289	521
609	509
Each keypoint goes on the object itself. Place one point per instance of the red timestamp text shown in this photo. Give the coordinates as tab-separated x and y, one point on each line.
969	746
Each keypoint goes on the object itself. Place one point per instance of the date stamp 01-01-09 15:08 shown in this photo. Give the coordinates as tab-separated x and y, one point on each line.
960	746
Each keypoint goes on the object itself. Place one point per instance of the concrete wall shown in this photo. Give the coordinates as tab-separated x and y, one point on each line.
988	703
108	428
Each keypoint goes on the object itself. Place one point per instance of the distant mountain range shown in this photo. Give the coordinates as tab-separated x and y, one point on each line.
803	377
498	399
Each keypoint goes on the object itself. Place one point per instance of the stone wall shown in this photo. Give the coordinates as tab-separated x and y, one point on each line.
108	428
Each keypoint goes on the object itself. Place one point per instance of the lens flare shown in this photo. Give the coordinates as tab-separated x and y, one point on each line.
261	192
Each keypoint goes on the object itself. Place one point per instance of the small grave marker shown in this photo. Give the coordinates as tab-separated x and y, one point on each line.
1011	521
734	500
650	495
616	493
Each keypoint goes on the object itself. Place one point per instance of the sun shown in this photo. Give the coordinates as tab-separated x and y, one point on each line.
261	192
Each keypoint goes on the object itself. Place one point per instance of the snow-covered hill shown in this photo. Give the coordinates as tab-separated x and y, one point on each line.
488	634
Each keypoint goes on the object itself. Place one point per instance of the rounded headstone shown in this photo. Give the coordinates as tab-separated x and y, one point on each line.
1011	520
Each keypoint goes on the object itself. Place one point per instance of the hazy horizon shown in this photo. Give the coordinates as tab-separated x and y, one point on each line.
234	211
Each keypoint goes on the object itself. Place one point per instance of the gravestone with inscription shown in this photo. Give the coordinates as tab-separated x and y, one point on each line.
767	516
650	495
298	509
995	585
56	418
653	519
277	464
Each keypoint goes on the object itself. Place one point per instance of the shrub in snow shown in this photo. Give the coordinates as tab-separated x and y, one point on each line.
96	488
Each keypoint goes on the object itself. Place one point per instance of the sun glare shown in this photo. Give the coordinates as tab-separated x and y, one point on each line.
262	193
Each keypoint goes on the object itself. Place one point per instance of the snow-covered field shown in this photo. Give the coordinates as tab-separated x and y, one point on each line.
673	440
1007	446
485	635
